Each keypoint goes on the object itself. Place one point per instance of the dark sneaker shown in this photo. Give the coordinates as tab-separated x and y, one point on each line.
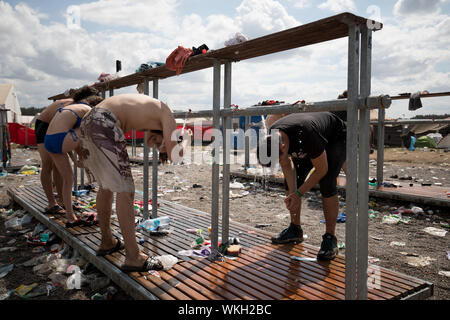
293	233
328	248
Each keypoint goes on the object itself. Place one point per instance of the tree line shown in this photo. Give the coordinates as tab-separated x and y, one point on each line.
432	116
31	111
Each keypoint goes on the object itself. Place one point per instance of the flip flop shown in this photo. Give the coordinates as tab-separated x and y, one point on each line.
150	264
53	210
76	223
119	246
90	220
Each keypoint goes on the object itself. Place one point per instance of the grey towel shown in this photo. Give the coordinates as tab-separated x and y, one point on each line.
414	102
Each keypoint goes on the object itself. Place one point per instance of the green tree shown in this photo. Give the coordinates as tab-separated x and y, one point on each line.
31	111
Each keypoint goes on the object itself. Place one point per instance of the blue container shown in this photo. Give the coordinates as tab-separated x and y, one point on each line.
235	136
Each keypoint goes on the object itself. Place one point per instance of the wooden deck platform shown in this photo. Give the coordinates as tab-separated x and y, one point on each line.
425	195
262	271
17	166
138	160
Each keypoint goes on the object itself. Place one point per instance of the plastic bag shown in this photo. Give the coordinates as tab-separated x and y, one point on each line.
168	261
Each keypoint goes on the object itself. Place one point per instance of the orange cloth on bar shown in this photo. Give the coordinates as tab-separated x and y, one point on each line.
177	59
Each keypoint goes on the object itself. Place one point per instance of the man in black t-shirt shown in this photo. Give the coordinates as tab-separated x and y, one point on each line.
310	140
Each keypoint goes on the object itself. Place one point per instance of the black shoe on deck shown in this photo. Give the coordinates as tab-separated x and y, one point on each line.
293	233
328	248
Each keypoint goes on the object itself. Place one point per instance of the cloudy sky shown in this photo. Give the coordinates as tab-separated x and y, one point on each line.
44	51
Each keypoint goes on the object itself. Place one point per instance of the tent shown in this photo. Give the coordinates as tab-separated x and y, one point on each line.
444	143
425	141
8	100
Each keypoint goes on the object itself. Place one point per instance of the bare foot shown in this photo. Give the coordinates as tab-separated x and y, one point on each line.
137	262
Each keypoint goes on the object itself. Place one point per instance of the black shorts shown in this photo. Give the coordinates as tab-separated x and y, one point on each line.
40	130
336	155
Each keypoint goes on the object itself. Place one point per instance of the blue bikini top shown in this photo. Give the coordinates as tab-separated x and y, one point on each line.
78	123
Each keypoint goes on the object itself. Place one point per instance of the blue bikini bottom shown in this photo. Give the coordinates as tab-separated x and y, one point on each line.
54	142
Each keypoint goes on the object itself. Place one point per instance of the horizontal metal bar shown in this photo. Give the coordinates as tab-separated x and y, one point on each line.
415	121
429	95
382	101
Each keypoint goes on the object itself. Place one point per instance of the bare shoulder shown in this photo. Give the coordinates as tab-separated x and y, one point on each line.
57	103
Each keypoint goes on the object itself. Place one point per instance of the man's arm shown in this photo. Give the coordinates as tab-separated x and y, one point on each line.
289	173
321	168
70	153
169	127
272	118
79	162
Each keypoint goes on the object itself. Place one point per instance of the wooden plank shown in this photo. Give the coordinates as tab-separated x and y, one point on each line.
323	30
173	288
388	283
243	255
153	249
339	260
38	198
121	279
262	271
425	195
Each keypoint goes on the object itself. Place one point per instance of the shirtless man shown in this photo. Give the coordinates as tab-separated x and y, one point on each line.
48	167
104	152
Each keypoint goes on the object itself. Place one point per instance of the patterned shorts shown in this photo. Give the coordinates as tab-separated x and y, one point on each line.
104	150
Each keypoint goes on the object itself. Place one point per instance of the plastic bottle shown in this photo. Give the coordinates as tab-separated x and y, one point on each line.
155	224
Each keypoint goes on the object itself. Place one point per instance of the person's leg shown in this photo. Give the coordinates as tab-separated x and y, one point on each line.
344	167
328	187
65	169
371	140
46	175
331	212
302	169
57	179
125	213
294	232
104	208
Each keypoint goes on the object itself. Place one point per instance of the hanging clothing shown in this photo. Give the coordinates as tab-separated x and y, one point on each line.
178	58
414	102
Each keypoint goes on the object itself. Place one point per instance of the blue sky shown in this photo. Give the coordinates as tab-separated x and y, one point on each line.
42	56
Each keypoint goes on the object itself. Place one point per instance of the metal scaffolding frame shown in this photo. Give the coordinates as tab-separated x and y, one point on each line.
359	33
381	123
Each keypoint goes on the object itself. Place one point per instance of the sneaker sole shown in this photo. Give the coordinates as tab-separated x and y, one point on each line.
327	258
298	240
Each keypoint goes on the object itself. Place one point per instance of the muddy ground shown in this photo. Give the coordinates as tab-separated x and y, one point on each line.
259	206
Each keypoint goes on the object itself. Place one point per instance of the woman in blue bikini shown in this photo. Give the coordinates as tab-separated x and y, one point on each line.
62	138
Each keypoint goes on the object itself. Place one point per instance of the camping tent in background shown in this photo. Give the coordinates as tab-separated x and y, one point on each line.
444	143
8	100
425	141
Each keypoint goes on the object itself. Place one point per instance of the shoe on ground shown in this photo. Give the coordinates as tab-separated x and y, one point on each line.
293	233
328	248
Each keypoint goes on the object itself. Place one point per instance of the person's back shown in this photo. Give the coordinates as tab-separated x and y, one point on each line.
67	118
143	113
319	129
137	111
48	113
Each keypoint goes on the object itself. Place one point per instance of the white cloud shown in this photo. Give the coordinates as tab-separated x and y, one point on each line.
407	7
152	15
408	55
338	5
261	17
300	4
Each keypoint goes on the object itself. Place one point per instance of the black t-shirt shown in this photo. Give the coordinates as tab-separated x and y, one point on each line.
310	133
